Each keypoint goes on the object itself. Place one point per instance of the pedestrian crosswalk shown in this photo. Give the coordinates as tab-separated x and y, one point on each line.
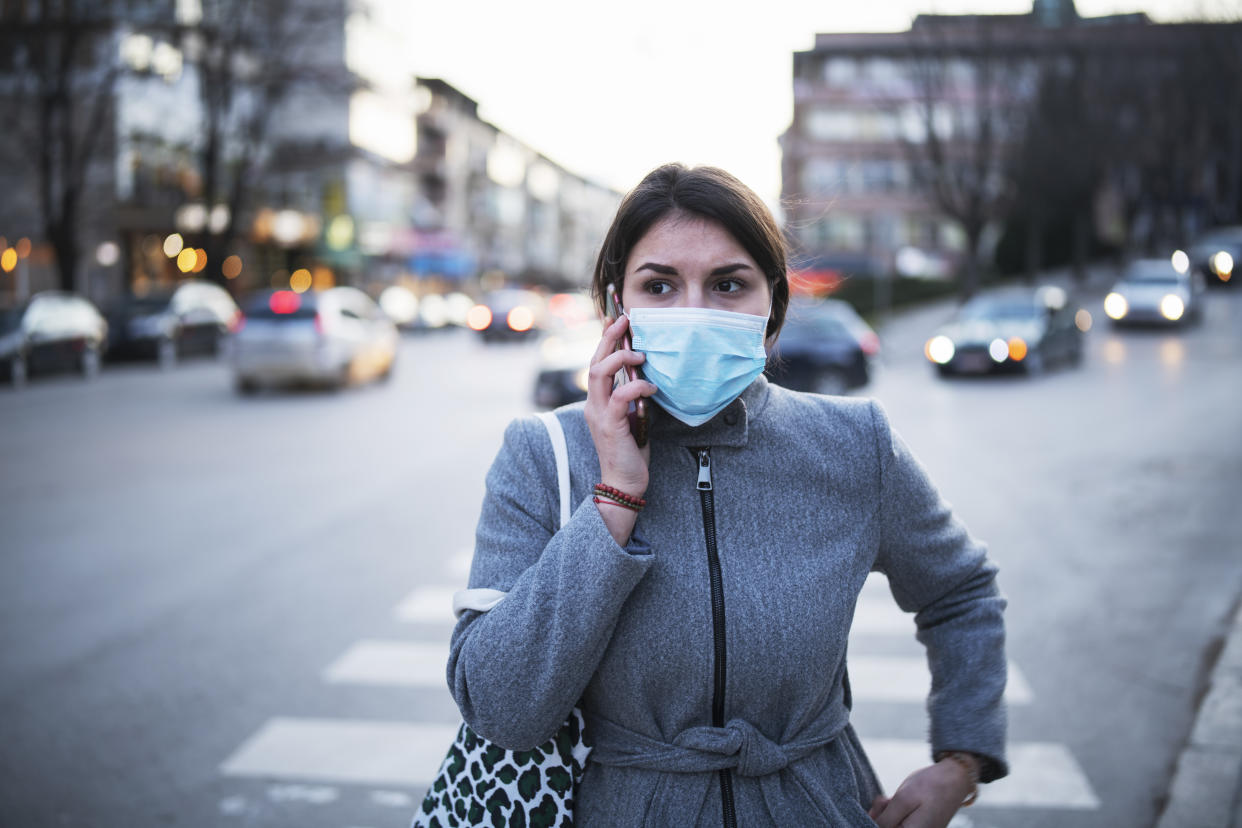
288	750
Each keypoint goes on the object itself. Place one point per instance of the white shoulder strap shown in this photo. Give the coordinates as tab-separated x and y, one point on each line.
482	599
561	452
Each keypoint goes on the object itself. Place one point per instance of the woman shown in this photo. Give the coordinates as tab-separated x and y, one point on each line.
698	603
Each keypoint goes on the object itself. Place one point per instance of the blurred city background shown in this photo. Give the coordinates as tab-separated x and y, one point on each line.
275	275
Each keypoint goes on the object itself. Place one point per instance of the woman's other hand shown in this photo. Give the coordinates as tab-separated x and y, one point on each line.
622	464
928	798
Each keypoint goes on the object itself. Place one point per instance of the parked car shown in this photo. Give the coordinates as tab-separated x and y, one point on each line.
824	347
52	331
1023	329
194	318
508	314
334	338
1216	254
1154	291
564	357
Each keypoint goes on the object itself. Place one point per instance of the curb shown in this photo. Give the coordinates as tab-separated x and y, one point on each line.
1206	789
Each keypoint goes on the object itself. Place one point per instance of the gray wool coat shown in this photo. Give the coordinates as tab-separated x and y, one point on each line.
811	493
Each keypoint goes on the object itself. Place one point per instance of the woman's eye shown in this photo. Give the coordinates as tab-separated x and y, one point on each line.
728	285
656	288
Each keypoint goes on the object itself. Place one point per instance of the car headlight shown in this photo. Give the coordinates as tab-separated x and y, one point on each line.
939	349
1116	306
998	349
1222	265
1180	261
1172	307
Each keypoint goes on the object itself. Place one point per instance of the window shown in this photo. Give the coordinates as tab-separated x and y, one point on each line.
840	71
826	124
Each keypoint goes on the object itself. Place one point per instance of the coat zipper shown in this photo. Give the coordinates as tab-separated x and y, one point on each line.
706	498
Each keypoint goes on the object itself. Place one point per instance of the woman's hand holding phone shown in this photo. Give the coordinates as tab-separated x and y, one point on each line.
622	463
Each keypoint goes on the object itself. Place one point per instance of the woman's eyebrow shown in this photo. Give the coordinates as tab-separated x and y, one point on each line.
725	270
663	270
666	270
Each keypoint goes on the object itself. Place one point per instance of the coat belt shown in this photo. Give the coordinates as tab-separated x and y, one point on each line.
697	751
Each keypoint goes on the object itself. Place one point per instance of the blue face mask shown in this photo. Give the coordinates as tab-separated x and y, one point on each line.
700	359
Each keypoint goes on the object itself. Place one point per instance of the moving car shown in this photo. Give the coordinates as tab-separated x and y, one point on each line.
507	314
824	347
194	318
1023	329
1216	254
331	338
51	331
1155	291
564	357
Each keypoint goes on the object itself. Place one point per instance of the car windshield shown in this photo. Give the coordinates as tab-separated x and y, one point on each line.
1160	273
1000	309
813	323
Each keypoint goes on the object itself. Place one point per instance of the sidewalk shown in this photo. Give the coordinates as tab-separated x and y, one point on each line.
1206	789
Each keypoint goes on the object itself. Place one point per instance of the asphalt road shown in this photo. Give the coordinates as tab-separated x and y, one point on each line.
213	609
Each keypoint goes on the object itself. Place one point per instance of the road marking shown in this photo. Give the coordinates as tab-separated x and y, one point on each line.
906	679
876	616
391	663
422	664
343	751
1041	774
427	605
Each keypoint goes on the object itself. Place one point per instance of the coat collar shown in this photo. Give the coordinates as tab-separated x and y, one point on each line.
728	428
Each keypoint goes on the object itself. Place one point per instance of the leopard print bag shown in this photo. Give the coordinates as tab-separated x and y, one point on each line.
480	784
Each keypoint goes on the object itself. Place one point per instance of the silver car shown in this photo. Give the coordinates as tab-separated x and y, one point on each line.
1155	291
336	337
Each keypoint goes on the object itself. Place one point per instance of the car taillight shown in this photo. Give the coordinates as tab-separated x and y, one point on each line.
870	344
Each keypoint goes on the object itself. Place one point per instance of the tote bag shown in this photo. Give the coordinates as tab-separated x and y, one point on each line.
482	784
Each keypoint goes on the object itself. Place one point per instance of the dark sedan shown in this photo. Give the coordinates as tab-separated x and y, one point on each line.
824	347
1018	329
508	314
52	331
194	318
1216	253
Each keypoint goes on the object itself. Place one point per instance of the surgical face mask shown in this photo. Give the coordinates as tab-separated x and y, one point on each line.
700	359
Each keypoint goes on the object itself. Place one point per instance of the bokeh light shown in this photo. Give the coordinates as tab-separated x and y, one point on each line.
173	245
1017	349
300	280
1083	320
186	259
231	267
1181	262
479	318
200	260
8	260
23	248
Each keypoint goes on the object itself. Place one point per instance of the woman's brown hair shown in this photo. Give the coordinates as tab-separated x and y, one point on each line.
706	192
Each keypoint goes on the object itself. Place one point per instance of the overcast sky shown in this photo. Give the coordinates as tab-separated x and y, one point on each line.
612	90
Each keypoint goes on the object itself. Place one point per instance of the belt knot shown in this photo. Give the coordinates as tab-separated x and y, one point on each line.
757	755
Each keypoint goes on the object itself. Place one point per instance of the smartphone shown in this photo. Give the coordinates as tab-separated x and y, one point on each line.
639	414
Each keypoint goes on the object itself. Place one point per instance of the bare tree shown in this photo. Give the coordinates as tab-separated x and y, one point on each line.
251	56
62	68
973	88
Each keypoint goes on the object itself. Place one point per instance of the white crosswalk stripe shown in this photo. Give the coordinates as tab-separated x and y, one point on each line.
1041	774
421	664
346	751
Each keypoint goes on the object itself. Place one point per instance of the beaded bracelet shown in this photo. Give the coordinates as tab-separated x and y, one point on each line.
971	765
614	502
618	495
